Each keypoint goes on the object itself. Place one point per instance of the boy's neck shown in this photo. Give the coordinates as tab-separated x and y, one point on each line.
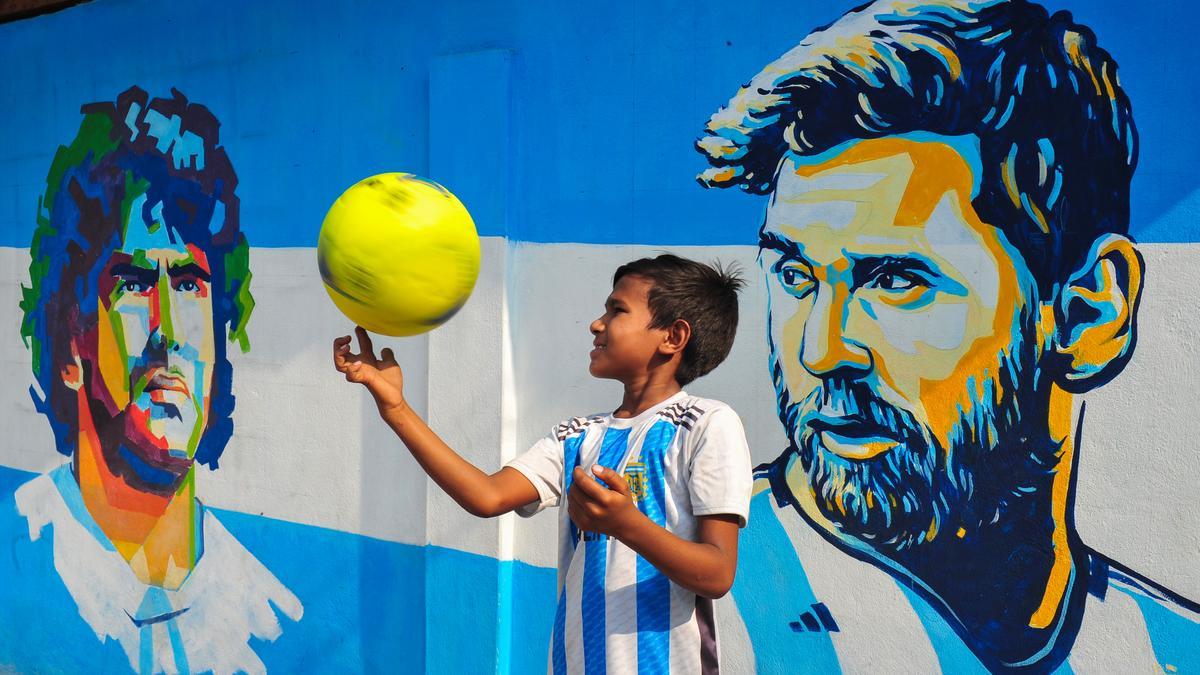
641	396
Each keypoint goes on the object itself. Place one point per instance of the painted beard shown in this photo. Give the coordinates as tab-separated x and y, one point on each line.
998	454
130	451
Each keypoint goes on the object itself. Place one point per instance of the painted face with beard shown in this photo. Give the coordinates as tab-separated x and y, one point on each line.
151	356
903	343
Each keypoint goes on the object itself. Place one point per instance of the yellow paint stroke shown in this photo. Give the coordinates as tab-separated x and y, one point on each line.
932	531
1061	418
111	353
1037	214
1073	42
951	58
1009	176
724	175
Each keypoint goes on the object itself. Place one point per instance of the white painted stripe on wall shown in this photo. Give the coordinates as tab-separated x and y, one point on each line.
307	448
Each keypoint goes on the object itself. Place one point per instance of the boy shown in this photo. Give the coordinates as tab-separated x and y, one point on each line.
655	491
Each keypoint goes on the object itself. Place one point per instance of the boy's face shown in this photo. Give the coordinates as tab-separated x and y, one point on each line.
625	345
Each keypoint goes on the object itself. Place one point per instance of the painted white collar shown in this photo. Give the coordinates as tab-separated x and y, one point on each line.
204	625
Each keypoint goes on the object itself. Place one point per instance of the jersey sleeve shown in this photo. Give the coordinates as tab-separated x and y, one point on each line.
720	479
542	464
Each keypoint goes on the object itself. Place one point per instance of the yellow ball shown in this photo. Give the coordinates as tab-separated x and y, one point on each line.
399	254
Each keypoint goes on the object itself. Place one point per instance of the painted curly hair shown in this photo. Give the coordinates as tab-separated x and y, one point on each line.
165	149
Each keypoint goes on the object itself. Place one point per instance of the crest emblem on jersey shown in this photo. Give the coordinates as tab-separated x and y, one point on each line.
635	478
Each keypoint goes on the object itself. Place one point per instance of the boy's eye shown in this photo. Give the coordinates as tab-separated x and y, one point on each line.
188	286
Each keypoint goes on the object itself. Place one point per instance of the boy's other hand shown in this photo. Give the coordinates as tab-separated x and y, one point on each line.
381	376
595	508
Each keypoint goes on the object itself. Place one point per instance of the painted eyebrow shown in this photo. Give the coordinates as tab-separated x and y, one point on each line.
868	266
188	269
134	271
776	242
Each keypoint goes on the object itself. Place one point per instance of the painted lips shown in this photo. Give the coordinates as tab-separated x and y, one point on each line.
164	388
851	437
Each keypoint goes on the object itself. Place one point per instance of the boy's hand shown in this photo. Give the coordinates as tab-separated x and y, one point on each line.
595	508
381	376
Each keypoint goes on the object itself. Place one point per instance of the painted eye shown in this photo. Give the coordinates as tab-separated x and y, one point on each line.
795	281
133	286
188	286
890	281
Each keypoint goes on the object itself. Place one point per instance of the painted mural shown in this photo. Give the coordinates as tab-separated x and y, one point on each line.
140	277
948	262
967	356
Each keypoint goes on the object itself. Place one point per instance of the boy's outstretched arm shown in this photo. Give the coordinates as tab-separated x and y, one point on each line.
705	566
481	494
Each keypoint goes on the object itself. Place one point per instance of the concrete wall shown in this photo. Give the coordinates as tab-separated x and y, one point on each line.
568	133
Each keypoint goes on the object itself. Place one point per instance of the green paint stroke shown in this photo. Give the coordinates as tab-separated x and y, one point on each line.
237	274
134	188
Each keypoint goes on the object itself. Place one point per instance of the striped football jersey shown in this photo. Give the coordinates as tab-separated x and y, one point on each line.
683	458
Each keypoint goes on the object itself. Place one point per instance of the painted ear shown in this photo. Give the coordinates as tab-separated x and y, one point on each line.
1097	313
72	371
677	337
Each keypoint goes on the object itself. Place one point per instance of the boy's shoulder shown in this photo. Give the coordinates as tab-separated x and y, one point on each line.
688	410
576	425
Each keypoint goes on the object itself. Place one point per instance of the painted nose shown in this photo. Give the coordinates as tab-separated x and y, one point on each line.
164	324
827	350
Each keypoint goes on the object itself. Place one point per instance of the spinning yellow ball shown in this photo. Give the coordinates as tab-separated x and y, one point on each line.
399	254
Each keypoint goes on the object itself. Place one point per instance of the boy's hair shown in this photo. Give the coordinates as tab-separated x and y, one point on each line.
704	296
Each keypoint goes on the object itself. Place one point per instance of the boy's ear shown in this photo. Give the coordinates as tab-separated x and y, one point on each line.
1096	313
678	334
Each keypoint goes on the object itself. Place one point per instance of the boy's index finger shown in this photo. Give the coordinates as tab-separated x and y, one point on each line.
364	341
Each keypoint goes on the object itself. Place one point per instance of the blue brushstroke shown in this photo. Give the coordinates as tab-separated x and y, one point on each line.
1176	640
953	654
603	118
768	600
